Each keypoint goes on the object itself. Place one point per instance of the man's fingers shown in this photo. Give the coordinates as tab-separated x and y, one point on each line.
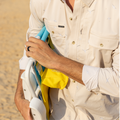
35	40
32	49
32	44
29	53
36	43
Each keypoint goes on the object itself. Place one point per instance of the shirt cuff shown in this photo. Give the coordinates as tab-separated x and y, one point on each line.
23	61
90	77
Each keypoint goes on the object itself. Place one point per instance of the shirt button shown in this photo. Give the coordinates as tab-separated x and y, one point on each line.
70	18
73	81
72	100
53	32
101	45
73	42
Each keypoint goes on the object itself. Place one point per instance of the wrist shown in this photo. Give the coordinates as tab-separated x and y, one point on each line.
57	63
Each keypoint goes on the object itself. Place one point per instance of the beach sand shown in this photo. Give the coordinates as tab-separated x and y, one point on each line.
14	17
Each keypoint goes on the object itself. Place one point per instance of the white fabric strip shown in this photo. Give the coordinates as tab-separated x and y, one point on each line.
90	77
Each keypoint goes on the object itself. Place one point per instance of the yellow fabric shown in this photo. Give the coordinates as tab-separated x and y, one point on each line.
53	79
44	90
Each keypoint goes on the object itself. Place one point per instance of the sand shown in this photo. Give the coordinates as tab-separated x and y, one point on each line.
14	16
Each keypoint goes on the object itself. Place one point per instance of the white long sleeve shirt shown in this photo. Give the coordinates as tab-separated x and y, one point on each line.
89	35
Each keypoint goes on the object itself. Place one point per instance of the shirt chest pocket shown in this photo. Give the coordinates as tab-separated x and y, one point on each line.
57	34
55	29
103	48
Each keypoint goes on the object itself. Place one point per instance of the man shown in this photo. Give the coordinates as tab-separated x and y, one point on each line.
85	36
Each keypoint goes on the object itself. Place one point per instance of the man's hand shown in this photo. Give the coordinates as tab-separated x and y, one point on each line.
21	103
41	52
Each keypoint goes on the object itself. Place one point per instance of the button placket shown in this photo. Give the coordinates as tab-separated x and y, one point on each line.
75	19
72	90
73	39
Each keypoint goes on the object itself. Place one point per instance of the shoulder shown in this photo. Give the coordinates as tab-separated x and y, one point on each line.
37	6
38	3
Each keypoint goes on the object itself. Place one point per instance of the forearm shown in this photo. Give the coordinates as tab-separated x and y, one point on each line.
70	68
21	103
19	91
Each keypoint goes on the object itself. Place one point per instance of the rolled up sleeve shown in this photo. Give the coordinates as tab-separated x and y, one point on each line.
105	80
35	25
90	77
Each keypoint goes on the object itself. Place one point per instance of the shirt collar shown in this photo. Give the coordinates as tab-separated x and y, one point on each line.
63	1
85	2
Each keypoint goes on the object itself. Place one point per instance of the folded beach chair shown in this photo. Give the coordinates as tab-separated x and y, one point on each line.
37	80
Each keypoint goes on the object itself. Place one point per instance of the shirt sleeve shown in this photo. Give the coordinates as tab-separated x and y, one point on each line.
90	77
104	80
35	25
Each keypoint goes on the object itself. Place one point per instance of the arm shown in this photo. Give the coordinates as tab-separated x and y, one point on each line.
108	78
105	80
35	25
19	90
41	52
20	101
70	68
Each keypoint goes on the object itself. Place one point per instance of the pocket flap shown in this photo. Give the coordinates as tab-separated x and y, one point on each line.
55	29
110	43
